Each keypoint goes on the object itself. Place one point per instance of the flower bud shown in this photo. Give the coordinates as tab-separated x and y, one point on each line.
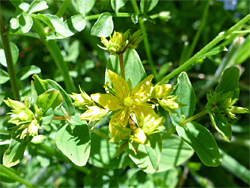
81	100
161	91
33	128
169	104
94	113
135	39
117	42
139	136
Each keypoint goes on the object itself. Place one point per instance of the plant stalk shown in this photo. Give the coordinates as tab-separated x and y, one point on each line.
145	40
9	60
194	117
63	8
13	176
199	54
197	35
56	55
121	65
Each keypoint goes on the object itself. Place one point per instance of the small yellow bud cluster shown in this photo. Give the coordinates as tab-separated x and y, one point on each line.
119	42
23	117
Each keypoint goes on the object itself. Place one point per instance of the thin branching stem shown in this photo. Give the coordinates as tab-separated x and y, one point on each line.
211	44
146	42
9	60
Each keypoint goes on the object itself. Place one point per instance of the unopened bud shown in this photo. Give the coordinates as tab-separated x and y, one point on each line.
139	136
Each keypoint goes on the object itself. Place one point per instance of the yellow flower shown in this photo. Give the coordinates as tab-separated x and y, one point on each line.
119	98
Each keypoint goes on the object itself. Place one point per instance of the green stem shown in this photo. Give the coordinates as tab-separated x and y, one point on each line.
9	60
194	117
197	35
63	8
199	54
121	65
13	176
146	42
56	55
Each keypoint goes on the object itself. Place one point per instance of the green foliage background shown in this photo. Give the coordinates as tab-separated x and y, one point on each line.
170	43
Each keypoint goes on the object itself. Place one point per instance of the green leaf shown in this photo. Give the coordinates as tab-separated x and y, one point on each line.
24	7
147	5
37	5
39	86
27	71
229	81
186	97
202	141
68	28
103	153
14	23
222	126
26	22
235	168
14	153
104	26
117	4
73	52
49	99
134	70
174	152
147	158
74	141
4	76
84	7
14	53
167	178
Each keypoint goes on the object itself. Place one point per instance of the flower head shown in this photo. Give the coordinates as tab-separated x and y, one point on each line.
23	117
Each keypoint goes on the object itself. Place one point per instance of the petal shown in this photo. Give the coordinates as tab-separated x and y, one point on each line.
119	119
142	91
120	86
108	101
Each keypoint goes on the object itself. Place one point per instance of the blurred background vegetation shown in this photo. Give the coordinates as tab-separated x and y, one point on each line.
170	38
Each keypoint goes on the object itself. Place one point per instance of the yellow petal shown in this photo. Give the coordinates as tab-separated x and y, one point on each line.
108	101
119	119
141	92
120	86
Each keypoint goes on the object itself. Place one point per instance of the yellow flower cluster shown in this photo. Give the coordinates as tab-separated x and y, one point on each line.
23	117
134	116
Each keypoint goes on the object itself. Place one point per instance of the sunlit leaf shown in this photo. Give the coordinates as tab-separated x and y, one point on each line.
174	152
147	5
74	141
26	22
4	76
117	4
14	153
37	5
147	158
103	152
84	7
186	97
104	26
14	53
202	141
27	71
